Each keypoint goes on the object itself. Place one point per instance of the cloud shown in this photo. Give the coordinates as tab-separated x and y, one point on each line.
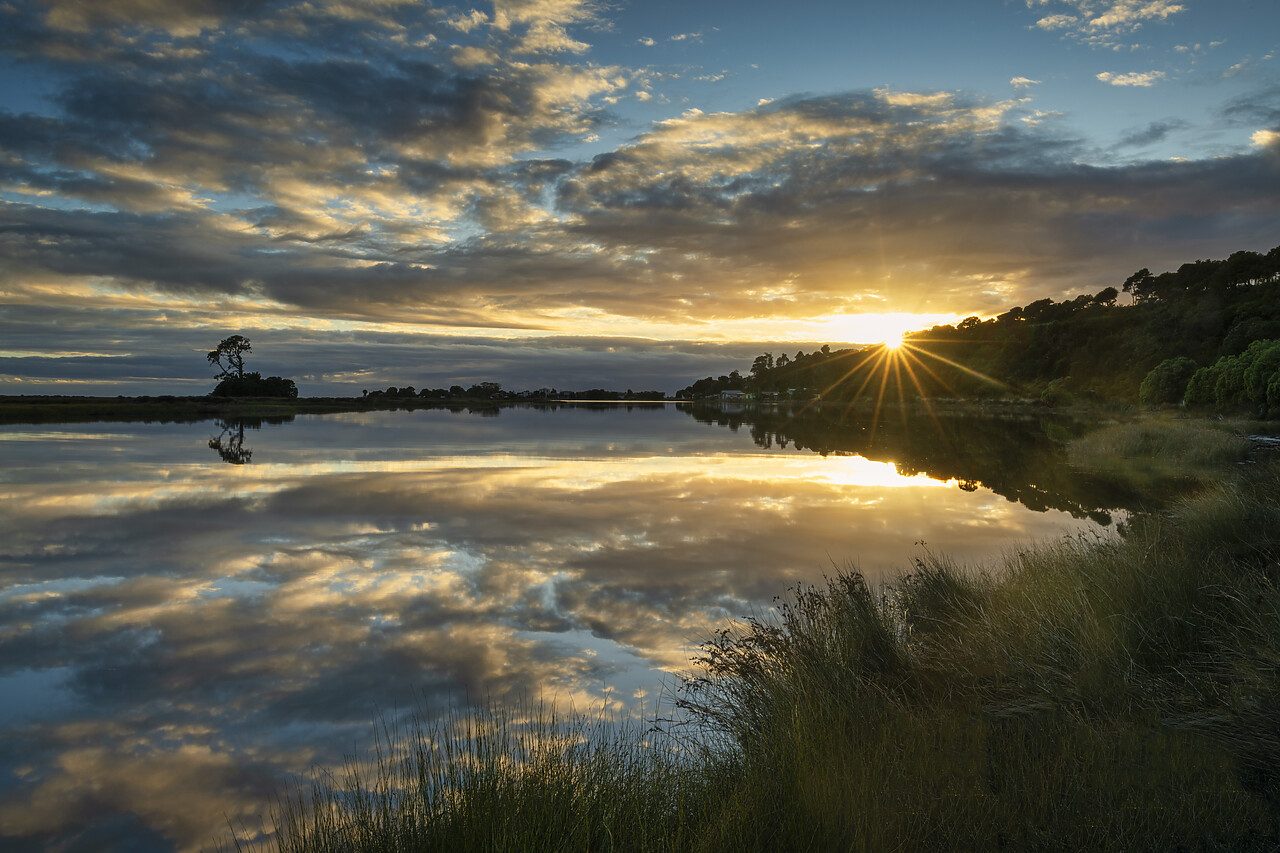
1258	107
1038	116
1057	22
1136	78
1156	131
468	22
1100	23
646	41
1133	13
772	212
1023	82
1266	139
315	168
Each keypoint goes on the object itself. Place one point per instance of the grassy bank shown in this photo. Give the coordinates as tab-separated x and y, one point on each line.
1102	693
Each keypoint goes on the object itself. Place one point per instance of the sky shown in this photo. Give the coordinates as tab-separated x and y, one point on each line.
576	194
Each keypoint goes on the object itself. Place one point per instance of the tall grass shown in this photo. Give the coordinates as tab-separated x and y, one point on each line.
511	780
1118	693
1149	451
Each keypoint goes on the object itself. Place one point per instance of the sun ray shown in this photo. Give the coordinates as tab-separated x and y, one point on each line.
879	354
911	350
907	357
958	366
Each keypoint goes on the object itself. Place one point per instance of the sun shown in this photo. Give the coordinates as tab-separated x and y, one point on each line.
885	329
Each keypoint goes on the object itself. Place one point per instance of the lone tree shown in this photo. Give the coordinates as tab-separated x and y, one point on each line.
234	382
233	350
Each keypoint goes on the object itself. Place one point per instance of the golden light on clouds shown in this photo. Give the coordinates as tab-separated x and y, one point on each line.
887	328
397	176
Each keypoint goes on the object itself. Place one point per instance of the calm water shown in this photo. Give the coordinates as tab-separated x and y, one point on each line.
179	634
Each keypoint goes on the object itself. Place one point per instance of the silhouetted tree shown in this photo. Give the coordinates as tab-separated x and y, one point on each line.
233	350
1139	284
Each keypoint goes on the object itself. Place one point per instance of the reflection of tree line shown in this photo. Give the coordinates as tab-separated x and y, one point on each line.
1021	459
229	444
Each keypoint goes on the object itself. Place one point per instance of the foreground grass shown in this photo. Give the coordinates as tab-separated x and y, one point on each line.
1118	693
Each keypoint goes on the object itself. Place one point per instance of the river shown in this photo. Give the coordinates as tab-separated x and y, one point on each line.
192	614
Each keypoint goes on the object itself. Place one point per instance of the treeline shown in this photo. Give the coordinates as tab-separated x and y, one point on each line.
1206	313
495	392
804	373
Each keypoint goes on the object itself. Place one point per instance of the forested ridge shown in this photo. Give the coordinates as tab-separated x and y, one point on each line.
1092	345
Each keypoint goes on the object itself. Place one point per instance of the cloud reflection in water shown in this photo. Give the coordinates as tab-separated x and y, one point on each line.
187	632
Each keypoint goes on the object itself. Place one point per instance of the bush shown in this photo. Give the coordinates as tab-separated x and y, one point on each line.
253	385
1200	387
1167	381
1236	381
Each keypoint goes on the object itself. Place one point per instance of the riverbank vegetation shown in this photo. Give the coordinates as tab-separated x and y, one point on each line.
1113	692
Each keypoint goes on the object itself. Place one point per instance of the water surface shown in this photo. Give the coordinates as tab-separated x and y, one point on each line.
190	613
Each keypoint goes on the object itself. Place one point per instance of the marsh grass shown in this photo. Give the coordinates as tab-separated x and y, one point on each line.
1153	451
521	779
1097	693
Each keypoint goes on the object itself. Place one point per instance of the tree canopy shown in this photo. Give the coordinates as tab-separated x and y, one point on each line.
232	349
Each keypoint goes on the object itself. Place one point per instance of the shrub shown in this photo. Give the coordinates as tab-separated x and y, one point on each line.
253	385
1236	381
1167	381
1200	387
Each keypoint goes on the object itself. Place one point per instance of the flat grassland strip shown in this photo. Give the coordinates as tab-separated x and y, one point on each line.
54	409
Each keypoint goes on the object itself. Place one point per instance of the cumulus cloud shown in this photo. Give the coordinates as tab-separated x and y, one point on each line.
1057	22
1136	78
1102	22
1023	82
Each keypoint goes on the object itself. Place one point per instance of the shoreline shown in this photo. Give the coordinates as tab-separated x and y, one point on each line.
166	408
